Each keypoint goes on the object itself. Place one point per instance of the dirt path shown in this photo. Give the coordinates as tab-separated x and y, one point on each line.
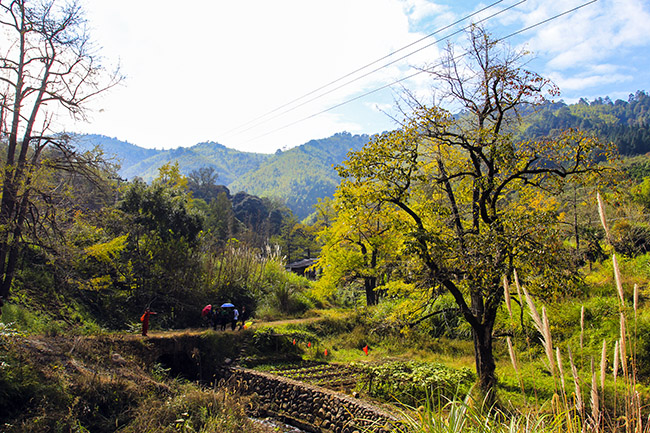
255	325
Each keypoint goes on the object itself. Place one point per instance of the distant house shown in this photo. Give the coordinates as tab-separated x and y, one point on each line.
301	268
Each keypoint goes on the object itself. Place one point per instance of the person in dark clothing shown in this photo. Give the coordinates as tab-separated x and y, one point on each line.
214	317
224	317
242	317
235	319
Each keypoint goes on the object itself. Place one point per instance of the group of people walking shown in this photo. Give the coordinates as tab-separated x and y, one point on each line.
226	314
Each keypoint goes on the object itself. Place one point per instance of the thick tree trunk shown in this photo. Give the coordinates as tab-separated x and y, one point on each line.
370	284
485	366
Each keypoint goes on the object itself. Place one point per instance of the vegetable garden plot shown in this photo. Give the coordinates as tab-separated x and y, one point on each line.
332	376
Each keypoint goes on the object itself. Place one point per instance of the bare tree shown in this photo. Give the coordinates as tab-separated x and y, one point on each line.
48	68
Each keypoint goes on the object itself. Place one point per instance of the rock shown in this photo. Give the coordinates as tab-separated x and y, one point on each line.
117	359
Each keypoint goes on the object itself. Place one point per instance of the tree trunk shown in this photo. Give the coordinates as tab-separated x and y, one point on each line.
485	366
370	283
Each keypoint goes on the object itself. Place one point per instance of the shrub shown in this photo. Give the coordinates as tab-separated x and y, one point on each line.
414	383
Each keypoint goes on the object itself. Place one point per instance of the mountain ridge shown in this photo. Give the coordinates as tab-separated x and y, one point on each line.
298	176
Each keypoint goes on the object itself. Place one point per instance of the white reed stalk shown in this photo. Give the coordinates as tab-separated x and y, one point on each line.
639	417
636	298
513	358
514	273
595	405
533	311
582	326
506	295
603	366
560	367
622	349
601	212
616	355
548	342
576	381
617	277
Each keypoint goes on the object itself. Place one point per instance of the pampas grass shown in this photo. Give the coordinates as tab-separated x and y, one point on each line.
601	213
506	295
603	366
617	278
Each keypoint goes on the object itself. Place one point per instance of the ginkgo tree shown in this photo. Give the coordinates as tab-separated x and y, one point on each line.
479	203
361	243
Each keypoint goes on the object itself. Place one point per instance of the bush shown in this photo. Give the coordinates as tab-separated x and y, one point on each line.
414	383
630	239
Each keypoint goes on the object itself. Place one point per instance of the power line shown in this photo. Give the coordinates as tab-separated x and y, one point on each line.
382	67
361	69
417	73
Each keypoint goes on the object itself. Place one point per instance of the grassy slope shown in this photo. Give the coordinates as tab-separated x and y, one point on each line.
103	384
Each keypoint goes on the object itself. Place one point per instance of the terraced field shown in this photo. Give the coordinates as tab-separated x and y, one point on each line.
332	376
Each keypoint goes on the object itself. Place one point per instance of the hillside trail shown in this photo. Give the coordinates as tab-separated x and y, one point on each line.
255	324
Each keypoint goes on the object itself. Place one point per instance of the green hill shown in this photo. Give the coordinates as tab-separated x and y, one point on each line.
299	176
302	175
121	152
229	164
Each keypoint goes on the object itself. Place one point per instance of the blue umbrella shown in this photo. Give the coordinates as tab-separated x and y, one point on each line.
227	305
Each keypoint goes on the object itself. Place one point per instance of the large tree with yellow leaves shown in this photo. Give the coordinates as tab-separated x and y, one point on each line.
478	202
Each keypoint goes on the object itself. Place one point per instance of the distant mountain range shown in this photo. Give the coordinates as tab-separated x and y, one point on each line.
301	175
298	176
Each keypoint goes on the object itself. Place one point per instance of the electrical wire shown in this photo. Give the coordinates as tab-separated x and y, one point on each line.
382	67
416	73
361	69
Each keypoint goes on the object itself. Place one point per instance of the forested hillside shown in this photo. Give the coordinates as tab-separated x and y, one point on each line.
626	123
229	164
302	175
298	177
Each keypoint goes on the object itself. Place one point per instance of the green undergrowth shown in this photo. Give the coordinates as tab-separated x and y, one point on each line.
412	382
64	319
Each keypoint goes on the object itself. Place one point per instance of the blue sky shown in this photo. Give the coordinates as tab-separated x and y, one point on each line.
228	71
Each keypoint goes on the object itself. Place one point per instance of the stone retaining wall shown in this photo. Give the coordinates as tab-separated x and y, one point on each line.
307	407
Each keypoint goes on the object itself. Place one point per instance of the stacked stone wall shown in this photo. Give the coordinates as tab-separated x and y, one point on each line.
307	407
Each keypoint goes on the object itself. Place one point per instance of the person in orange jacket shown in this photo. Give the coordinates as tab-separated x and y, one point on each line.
145	321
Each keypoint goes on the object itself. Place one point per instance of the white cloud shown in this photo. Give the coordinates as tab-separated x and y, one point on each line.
423	10
587	81
591	34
